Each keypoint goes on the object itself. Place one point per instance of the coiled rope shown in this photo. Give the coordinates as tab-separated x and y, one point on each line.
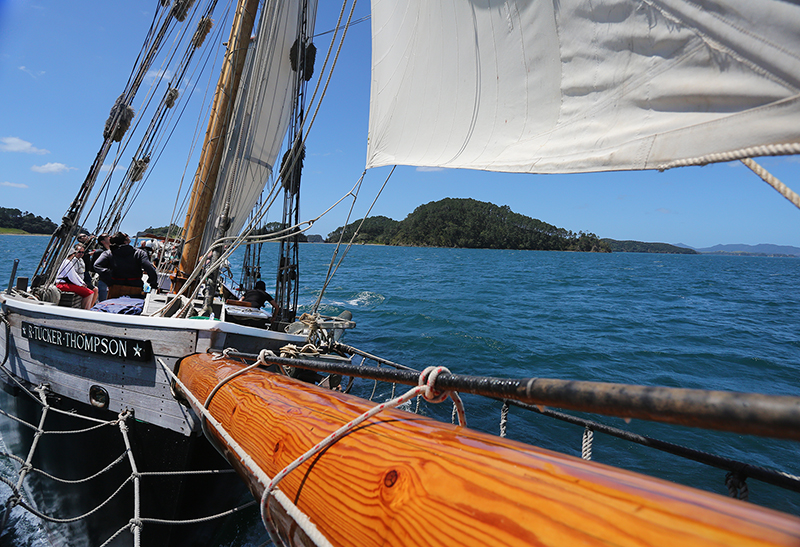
504	419
586	444
737	487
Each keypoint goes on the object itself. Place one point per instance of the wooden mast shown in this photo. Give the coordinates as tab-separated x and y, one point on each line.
205	181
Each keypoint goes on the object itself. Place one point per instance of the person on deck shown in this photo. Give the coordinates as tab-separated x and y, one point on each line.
86	241
70	277
122	266
147	247
105	245
259	295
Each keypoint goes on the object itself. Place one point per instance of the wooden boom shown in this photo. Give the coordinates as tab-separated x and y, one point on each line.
402	479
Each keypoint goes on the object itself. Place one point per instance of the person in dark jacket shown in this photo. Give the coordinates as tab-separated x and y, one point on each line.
259	295
122	266
104	241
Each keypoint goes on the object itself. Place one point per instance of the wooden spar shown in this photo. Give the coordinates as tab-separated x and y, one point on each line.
211	156
776	416
403	479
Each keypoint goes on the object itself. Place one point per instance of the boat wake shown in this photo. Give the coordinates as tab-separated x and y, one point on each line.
22	527
364	300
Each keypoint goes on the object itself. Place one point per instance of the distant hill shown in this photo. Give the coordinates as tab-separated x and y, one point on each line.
644	247
314	238
762	249
25	222
471	224
162	231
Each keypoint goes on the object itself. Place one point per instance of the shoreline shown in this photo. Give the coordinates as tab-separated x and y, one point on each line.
25	234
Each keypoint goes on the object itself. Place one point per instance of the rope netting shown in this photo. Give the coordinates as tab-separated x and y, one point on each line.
26	469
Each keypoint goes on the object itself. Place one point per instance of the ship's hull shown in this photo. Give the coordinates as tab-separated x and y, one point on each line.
114	361
154	449
101	365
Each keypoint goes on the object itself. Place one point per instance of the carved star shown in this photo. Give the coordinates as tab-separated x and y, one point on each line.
138	350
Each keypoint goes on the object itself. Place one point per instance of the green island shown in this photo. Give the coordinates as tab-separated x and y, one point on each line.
14	221
471	224
450	222
642	247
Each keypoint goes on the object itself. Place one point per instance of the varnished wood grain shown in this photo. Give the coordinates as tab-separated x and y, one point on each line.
402	479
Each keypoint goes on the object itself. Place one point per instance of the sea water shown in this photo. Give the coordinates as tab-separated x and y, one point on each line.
692	321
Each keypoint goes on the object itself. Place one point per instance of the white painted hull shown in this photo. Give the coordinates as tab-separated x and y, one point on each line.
72	350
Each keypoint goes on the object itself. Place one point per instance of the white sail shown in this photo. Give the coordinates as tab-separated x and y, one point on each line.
262	113
580	85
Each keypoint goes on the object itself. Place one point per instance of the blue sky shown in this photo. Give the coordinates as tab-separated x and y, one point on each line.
62	64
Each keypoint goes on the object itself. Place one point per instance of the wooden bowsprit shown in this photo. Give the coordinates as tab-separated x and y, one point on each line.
402	479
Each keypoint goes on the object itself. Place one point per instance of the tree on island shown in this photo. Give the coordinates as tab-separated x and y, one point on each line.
173	230
27	222
642	247
375	230
468	223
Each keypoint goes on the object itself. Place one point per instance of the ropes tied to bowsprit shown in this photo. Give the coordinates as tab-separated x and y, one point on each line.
425	388
754	413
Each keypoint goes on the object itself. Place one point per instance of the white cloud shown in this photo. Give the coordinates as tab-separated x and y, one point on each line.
13	184
429	169
14	144
32	74
155	75
106	168
51	168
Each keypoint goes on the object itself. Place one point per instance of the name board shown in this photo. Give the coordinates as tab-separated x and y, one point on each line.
108	346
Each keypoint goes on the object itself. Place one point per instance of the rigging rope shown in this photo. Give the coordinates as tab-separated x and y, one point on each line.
331	269
764	150
58	246
303	522
767	177
425	388
250	226
306	124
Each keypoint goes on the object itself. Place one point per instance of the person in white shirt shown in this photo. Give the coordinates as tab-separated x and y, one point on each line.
70	277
